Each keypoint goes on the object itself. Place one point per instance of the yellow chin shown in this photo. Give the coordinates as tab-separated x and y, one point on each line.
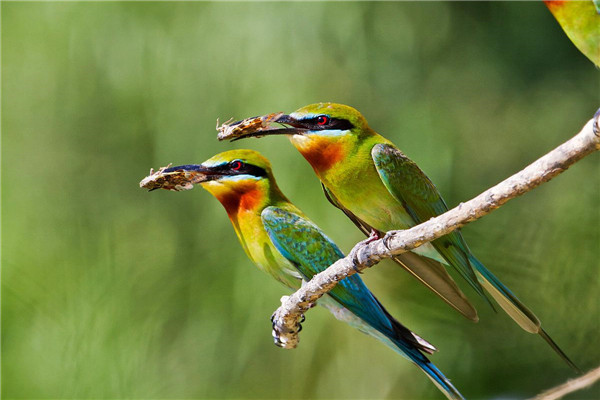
215	188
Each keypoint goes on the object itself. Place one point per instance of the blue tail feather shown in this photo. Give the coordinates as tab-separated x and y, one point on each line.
431	370
441	381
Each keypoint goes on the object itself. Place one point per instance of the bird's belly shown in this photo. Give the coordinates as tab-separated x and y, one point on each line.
264	255
371	202
269	260
383	212
383	215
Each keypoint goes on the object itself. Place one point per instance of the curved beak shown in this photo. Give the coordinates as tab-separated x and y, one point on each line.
260	126
182	177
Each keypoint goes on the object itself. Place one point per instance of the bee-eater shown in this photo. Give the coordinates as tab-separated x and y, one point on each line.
284	243
381	189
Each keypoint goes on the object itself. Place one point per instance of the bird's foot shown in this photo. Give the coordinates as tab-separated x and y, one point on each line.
358	252
373	236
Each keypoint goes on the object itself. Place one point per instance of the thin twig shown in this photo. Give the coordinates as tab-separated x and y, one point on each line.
570	386
287	318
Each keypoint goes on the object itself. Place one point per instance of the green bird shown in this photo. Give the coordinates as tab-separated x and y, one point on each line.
381	189
281	241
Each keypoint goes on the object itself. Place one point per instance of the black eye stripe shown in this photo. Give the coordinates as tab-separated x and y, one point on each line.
332	123
249	169
239	167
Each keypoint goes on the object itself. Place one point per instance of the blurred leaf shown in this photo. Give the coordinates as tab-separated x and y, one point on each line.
581	22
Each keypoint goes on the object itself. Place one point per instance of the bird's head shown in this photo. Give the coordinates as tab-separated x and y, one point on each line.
326	119
323	132
326	133
240	179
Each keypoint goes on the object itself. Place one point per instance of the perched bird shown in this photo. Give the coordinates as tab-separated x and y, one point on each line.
380	189
284	243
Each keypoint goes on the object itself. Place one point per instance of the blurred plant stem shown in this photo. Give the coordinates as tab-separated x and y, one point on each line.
572	385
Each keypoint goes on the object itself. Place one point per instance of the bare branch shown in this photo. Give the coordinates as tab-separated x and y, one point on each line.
287	318
572	385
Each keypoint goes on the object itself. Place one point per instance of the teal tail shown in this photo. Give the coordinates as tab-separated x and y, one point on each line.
435	375
514	308
411	346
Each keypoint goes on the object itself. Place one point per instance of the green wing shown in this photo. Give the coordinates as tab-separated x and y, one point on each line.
311	251
430	272
421	199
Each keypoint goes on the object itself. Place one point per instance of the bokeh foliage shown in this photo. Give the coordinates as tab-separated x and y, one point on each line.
111	292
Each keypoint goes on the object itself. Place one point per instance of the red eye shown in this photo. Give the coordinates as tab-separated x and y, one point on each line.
236	165
322	120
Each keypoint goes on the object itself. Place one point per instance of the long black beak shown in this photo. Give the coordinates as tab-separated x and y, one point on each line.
260	126
287	120
182	177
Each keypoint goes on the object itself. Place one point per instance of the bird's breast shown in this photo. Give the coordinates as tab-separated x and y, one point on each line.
260	249
358	186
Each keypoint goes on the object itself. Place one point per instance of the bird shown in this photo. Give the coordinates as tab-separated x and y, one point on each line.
281	241
380	189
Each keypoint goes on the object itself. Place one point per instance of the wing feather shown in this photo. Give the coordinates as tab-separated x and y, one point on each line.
421	199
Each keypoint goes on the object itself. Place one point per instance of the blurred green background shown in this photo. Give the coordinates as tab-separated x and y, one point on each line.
112	292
